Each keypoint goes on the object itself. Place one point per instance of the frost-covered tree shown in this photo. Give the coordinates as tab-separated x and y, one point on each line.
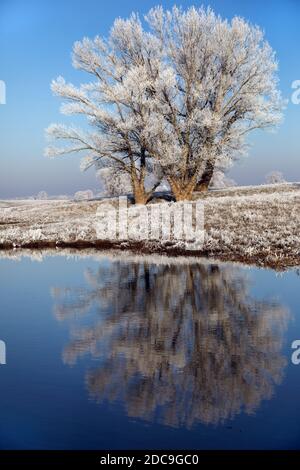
275	177
83	195
221	85
115	182
42	195
116	103
221	181
180	94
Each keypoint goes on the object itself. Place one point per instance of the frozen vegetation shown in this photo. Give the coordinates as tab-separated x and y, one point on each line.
255	224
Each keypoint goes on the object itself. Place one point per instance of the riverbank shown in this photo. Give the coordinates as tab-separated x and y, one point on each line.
254	225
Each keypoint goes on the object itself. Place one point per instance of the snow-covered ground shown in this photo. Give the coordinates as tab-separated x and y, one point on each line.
254	224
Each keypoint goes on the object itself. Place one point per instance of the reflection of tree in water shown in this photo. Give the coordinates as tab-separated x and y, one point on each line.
177	343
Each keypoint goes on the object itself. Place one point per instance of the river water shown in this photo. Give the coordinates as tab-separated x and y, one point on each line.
113	351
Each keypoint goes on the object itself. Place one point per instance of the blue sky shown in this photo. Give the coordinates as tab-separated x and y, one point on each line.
36	38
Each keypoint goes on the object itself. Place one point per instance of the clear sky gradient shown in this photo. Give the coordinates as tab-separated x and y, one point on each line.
36	38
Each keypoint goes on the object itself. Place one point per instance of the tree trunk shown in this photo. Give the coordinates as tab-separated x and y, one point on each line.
203	183
182	191
140	195
138	188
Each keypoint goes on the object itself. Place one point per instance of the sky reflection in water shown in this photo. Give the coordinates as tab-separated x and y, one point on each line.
128	352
